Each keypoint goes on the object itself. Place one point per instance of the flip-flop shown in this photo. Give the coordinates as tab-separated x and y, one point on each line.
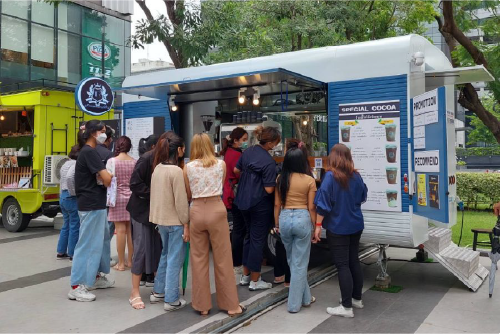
243	310
279	281
204	315
313	299
131	302
118	268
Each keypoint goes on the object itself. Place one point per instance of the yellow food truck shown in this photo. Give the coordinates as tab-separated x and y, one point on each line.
37	130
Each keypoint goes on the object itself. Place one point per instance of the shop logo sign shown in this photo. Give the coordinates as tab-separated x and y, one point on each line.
95	51
94	96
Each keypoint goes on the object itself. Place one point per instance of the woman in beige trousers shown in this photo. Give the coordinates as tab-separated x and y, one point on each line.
204	177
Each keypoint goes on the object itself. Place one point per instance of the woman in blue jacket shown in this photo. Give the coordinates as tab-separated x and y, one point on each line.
338	204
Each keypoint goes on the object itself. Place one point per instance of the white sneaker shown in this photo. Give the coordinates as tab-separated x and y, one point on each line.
102	282
340	311
150	284
355	303
244	280
142	283
174	306
259	285
112	263
156	297
81	294
238	270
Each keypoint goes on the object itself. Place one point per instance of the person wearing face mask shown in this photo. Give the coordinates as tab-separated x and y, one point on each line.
256	202
232	150
91	257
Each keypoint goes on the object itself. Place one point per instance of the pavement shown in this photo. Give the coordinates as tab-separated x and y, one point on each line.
34	285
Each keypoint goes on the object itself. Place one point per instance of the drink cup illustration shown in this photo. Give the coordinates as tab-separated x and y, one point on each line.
390	132
391	153
345	132
392	198
392	175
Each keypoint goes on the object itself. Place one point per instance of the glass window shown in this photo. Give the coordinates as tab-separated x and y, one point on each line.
14	36
114	29
92	23
68	58
69	17
17	8
42	52
92	54
42	12
128	61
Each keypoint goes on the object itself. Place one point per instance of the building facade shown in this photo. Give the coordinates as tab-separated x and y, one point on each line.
56	45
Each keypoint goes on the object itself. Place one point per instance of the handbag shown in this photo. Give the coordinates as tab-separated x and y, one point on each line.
112	189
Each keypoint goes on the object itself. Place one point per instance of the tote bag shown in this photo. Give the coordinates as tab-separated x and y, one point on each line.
112	189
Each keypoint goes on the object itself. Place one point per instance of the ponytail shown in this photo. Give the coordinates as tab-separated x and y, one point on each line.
166	150
236	134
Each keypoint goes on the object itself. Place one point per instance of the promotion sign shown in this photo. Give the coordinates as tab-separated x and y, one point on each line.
371	130
94	96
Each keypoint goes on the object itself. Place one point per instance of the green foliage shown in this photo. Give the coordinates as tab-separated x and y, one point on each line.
478	151
480	133
478	187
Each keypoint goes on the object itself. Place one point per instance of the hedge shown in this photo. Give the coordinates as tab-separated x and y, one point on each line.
478	151
474	188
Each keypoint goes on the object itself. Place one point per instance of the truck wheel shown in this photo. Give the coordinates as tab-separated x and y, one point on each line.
270	250
12	217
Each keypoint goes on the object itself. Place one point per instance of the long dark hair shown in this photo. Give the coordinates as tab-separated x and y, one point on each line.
122	145
146	144
341	164
294	162
166	150
292	143
91	127
236	134
79	138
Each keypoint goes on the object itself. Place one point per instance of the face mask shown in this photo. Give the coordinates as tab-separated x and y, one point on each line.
101	138
244	145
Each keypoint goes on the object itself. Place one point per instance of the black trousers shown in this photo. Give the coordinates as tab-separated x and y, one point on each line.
281	264
238	236
345	255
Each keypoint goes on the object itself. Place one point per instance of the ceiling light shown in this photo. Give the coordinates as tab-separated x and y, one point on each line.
256	97
241	98
304	122
2	117
172	104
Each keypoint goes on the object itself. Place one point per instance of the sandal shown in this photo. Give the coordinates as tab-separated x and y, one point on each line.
279	280
203	314
243	310
118	268
313	299
137	306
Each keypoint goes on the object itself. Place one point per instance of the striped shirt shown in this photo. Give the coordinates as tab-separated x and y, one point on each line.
68	177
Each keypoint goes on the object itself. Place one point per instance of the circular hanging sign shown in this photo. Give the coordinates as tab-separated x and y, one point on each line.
94	96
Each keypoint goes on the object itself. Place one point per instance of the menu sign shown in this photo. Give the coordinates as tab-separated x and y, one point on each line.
371	130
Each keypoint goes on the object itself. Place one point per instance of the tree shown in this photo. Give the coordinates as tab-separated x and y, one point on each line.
480	133
458	16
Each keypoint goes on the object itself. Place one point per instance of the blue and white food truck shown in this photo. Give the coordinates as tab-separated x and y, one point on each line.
391	101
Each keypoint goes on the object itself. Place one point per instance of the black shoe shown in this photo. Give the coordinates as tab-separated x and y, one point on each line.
62	256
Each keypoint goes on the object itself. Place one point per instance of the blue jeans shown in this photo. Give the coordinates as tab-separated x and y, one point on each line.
295	230
71	227
92	250
171	261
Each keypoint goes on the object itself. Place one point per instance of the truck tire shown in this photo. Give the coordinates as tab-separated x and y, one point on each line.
12	217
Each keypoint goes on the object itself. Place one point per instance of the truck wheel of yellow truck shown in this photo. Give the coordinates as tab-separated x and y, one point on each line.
12	217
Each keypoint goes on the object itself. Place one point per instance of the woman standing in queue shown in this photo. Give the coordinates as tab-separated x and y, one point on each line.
91	256
122	166
338	203
204	178
255	200
170	211
146	239
238	141
294	216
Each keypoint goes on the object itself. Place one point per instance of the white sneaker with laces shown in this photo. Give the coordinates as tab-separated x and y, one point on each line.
244	280
156	297
102	282
340	311
259	285
81	294
174	306
355	303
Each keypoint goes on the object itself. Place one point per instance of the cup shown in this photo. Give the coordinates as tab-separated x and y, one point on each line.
390	153
392	198
390	132
345	132
392	175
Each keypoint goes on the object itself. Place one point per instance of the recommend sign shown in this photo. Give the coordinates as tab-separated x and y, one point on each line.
427	161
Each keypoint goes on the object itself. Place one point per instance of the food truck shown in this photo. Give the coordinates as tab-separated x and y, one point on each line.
37	130
391	101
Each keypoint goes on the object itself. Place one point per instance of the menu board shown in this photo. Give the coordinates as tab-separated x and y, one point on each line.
371	130
137	128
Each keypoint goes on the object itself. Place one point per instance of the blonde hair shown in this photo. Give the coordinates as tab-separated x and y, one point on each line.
202	149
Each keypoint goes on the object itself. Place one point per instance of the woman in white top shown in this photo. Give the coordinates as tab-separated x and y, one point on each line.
204	177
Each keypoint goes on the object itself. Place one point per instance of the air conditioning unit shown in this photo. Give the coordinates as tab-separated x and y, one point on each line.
52	169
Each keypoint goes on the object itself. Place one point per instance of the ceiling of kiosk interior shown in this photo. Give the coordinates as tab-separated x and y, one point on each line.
268	82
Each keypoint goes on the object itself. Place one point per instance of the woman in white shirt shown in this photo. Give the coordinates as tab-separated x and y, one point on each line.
204	177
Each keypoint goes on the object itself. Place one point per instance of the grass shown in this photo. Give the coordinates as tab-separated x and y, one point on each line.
472	219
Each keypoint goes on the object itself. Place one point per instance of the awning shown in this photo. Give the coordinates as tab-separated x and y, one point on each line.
456	76
269	82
